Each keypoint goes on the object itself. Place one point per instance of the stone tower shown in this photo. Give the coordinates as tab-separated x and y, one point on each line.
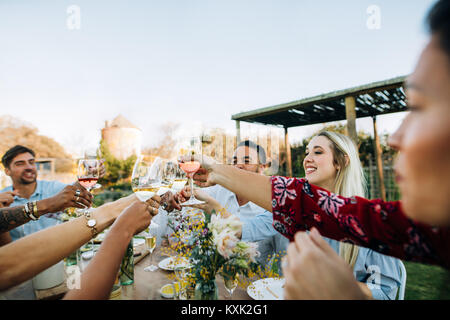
122	137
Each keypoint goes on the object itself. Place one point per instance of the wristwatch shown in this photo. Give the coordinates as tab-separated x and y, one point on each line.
91	223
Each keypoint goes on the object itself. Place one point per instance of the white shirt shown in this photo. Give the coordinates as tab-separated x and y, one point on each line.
228	200
257	222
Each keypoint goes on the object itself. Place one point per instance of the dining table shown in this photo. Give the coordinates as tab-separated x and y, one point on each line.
147	284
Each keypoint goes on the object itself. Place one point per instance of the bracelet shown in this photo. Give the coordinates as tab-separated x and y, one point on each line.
91	223
29	208
35	211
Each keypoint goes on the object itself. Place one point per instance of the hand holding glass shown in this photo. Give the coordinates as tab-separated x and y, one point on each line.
189	165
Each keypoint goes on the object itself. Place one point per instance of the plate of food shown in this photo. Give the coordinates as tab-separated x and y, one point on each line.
171	263
267	289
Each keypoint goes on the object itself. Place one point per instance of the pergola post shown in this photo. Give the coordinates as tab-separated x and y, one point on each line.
350	112
378	159
288	152
238	132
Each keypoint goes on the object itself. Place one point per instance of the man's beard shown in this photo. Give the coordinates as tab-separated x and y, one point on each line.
23	181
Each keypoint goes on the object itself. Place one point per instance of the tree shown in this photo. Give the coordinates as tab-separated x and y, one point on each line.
117	171
14	131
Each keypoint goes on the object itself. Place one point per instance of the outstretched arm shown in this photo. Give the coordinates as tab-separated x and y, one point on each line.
252	186
12	217
24	258
98	278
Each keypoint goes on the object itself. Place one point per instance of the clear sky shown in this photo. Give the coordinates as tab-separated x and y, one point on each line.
193	61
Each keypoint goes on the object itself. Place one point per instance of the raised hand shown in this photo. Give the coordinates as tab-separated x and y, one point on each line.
315	271
209	205
71	196
170	201
6	198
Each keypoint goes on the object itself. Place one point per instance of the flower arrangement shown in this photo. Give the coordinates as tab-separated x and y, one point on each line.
212	246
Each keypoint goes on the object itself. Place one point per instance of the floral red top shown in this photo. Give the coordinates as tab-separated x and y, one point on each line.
375	224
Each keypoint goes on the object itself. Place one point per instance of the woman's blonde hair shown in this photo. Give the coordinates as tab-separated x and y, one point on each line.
350	180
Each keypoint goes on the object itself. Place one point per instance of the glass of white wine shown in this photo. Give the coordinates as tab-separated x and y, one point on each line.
230	285
181	272
175	176
151	237
147	177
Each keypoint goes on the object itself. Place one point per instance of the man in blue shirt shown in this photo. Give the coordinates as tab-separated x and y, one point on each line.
19	163
257	222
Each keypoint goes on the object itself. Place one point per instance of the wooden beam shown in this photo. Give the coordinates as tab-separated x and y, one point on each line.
350	113
288	152
378	159
238	132
322	98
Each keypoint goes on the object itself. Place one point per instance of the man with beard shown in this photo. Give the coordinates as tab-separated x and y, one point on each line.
257	222
19	164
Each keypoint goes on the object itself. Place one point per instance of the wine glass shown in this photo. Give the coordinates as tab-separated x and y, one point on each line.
93	153
189	165
88	174
174	180
179	177
150	242
181	274
147	177
230	285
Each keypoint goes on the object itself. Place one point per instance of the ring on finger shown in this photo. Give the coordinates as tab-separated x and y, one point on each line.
78	192
76	199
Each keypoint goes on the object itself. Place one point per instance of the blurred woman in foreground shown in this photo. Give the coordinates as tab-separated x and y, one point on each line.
415	228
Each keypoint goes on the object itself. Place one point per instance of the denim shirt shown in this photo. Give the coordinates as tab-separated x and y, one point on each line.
44	190
380	272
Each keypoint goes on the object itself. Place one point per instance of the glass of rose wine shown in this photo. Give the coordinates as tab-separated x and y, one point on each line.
88	172
190	166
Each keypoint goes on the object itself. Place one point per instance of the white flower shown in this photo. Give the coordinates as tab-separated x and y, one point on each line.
225	242
219	224
248	249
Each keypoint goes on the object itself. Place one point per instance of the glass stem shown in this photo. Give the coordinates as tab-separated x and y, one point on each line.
84	212
192	187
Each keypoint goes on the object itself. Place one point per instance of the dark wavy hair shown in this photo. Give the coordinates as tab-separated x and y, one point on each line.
438	23
13	152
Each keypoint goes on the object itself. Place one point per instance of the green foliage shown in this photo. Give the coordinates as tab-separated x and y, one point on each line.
13	131
117	171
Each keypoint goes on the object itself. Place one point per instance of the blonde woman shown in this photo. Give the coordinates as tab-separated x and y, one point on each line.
332	163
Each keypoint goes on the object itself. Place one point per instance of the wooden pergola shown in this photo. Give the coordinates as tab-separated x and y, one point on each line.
369	100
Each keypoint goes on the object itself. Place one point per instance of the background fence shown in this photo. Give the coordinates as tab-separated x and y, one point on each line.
373	182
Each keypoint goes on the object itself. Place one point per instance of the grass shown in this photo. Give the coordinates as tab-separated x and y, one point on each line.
425	282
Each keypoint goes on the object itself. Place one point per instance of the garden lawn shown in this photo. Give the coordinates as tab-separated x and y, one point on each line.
425	282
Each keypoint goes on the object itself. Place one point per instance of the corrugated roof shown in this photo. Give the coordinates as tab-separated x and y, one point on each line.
372	99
